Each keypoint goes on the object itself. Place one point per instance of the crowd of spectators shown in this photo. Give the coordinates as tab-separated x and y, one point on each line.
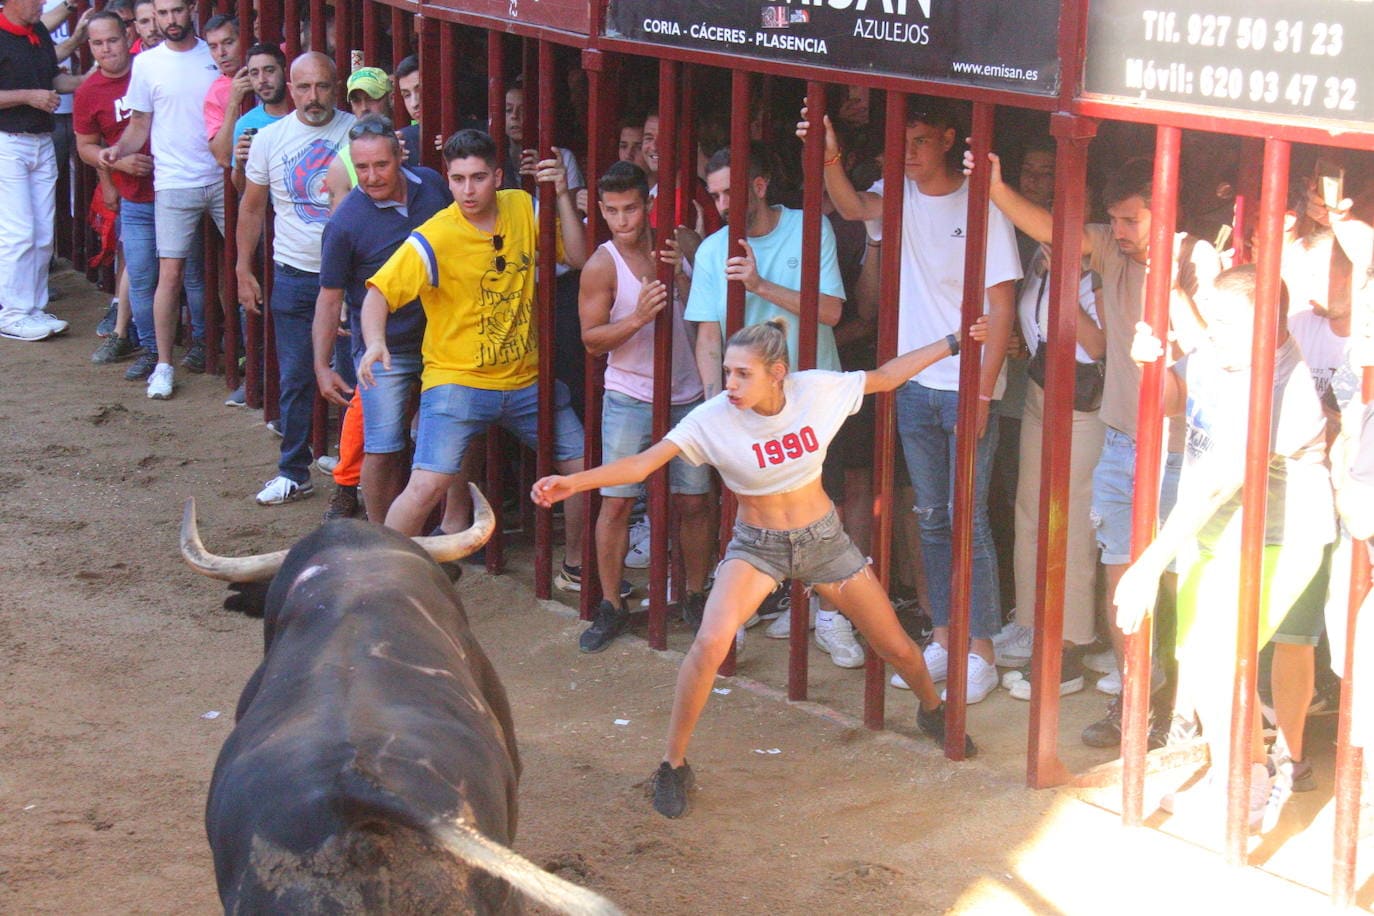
392	283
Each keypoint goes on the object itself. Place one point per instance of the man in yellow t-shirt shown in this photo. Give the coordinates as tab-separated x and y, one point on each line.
472	266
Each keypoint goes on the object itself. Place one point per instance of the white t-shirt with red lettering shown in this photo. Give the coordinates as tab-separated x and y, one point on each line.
759	455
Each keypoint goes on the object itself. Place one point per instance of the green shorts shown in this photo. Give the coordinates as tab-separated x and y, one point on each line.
1212	582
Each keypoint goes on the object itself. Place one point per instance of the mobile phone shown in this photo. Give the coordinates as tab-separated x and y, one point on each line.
1330	183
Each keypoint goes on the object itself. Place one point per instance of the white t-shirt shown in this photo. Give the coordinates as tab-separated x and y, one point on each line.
1033	307
1322	350
171	86
934	232
758	455
59	35
291	158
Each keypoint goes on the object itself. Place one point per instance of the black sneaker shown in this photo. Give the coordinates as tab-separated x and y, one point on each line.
932	725
1105	732
107	324
692	608
609	623
670	786
142	367
343	504
194	360
114	349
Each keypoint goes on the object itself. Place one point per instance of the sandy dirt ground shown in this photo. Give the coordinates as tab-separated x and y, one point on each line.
113	654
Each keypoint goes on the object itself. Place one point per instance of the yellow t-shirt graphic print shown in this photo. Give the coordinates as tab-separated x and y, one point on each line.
478	300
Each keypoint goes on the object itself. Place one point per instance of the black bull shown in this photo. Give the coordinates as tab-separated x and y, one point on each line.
373	766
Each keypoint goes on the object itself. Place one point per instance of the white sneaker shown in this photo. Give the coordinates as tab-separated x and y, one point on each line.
25	327
1014	649
637	557
55	325
1103	662
668	591
1021	689
937	663
1110	684
160	382
281	490
982	679
781	627
837	639
326	464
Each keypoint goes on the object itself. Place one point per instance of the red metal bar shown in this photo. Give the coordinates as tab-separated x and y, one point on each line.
1247	192
734	290
548	216
1349	759
1317	131
231	287
315	41
529	75
271	372
885	445
400	48
603	105
448	88
1254	493
1135	712
343	37
270	24
432	69
496	121
319	426
966	439
214	299
665	218
1072	135
371	13
813	158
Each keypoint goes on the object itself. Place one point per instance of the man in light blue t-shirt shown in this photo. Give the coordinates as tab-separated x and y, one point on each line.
769	265
265	66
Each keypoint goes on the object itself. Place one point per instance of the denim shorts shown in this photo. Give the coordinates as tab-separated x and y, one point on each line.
627	429
819	553
1306	619
177	216
1114	494
385	423
452	415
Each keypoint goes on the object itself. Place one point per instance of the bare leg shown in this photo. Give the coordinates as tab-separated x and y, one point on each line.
166	304
574	512
122	309
739	590
1114	572
383	478
612	540
458	502
1292	679
694	536
409	511
861	598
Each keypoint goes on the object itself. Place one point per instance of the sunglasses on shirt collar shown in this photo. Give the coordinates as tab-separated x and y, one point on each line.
497	243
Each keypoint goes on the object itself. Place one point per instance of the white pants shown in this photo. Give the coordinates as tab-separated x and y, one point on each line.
28	184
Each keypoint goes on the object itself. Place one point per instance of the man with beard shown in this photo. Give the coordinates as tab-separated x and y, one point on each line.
145	25
166	92
265	75
288	161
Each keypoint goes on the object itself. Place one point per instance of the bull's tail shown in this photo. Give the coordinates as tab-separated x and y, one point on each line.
478	851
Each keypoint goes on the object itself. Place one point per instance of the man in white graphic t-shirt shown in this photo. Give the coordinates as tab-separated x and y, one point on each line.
167	95
287	163
933	236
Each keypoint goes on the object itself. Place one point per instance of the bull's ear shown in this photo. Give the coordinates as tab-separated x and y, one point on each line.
247	598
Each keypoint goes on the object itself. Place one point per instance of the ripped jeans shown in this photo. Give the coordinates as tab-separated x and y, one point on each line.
926	419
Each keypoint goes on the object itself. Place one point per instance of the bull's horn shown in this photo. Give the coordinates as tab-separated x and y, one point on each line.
445	547
258	568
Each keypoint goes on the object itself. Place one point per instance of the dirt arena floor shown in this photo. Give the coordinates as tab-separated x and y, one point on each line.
119	673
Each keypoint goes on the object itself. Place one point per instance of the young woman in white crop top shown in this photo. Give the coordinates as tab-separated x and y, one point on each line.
767	434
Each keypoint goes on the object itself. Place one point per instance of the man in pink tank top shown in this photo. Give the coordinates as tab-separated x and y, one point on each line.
618	303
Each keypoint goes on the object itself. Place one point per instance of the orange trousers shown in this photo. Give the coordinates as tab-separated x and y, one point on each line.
350	468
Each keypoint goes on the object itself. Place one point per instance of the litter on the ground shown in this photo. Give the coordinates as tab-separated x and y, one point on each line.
723	691
622	721
212	714
771	750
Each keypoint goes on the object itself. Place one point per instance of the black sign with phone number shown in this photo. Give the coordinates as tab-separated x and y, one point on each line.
1313	58
1002	44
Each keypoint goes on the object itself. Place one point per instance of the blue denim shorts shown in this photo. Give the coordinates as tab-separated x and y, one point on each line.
627	429
385	424
819	553
1114	494
452	415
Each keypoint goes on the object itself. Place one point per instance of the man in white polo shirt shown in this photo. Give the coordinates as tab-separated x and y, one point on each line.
167	93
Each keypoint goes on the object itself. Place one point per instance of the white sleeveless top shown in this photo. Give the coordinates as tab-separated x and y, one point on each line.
630	366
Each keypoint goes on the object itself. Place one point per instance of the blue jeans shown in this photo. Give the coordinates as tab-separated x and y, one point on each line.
293	312
193	283
925	422
138	235
451	415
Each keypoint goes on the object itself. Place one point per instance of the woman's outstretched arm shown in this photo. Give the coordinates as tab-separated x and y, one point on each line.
898	370
631	469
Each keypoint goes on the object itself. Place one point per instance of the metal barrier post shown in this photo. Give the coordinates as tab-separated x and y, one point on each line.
544	304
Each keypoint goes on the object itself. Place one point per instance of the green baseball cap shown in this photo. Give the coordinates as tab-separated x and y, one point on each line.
371	80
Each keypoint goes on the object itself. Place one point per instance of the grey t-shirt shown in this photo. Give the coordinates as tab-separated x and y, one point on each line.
1300	503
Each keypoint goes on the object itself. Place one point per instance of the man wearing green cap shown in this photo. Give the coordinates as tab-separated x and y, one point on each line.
369	93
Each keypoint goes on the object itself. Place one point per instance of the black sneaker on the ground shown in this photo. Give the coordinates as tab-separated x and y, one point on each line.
670	786
932	725
114	350
610	622
343	504
692	608
194	360
569	579
107	324
142	367
1106	731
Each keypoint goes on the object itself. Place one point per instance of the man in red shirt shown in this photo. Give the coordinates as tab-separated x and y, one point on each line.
99	116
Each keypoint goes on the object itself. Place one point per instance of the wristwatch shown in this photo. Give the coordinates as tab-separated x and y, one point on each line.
953	344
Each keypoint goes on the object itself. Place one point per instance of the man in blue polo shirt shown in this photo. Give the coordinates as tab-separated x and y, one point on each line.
371	222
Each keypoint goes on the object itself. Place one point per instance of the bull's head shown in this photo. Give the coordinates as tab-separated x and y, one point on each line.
262	567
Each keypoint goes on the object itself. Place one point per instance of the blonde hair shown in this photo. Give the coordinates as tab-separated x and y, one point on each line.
767	339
